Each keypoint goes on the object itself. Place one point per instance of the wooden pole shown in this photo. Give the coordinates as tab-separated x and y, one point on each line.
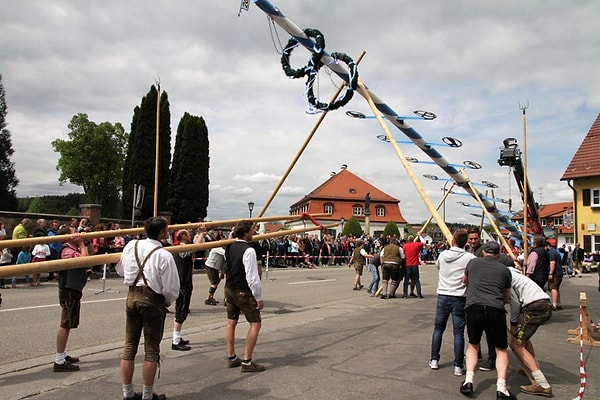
490	218
442	201
409	171
135	231
304	145
156	159
79	262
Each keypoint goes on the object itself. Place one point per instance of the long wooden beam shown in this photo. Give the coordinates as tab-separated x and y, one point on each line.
135	231
58	265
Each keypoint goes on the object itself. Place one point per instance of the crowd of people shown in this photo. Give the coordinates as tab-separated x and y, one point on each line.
476	282
41	252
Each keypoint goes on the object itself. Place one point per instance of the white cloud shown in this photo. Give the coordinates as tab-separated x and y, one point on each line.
468	61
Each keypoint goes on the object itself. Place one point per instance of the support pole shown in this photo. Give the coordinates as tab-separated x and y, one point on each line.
156	159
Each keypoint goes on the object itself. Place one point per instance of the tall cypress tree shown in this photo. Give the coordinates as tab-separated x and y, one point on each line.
140	160
8	178
189	174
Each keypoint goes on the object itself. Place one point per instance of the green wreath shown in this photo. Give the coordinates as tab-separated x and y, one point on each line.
315	62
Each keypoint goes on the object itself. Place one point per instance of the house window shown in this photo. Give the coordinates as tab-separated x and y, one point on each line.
543	222
380	211
569	240
595	197
328	208
558	221
357	210
596	243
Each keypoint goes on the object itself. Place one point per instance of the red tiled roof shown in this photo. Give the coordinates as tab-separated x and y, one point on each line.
346	185
586	161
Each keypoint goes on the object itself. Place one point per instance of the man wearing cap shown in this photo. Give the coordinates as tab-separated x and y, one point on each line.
488	290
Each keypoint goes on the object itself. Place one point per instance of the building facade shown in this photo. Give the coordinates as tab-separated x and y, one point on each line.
583	177
345	195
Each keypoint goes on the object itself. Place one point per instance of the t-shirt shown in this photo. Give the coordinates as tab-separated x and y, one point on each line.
487	279
411	252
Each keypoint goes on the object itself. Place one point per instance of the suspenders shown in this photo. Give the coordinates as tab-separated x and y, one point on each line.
141	266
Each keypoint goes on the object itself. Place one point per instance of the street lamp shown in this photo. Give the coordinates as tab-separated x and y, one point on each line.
250	207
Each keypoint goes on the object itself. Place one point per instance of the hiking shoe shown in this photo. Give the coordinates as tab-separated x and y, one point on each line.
252	367
72	360
211	302
236	362
467	388
488	366
537	390
459	371
434	364
66	367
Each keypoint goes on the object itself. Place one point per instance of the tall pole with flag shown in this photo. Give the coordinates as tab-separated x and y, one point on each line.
156	160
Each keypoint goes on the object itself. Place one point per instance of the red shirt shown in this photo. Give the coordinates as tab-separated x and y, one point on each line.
412	250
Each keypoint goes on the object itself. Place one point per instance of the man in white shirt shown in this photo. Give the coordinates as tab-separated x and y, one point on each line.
151	274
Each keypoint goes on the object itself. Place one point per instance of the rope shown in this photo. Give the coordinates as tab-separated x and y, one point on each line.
582	373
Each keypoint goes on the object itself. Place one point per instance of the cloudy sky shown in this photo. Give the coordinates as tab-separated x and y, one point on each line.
470	62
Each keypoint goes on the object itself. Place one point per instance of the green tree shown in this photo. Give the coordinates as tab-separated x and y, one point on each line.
36	206
140	160
93	158
189	173
352	227
8	178
391	229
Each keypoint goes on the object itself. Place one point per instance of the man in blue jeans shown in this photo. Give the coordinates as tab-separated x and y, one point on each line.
451	300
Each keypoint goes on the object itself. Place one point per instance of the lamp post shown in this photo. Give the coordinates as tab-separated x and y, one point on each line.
250	207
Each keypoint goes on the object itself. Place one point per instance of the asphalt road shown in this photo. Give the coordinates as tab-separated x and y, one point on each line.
320	340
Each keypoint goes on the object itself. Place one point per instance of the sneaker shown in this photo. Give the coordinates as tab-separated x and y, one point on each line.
211	302
66	367
434	364
180	346
467	388
537	390
488	366
72	360
502	396
459	371
252	367
236	362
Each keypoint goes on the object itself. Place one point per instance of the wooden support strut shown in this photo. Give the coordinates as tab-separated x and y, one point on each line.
135	231
588	336
409	171
79	262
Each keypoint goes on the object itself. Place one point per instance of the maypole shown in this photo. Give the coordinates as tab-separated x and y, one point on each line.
313	41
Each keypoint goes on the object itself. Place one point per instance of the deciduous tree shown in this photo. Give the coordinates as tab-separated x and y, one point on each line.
93	158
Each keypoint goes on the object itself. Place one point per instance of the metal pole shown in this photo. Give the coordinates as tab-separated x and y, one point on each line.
525	192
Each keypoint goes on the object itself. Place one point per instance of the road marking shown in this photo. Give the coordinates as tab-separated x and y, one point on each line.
315	281
58	305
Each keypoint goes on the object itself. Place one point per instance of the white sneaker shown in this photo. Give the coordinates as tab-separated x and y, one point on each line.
434	364
458	371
